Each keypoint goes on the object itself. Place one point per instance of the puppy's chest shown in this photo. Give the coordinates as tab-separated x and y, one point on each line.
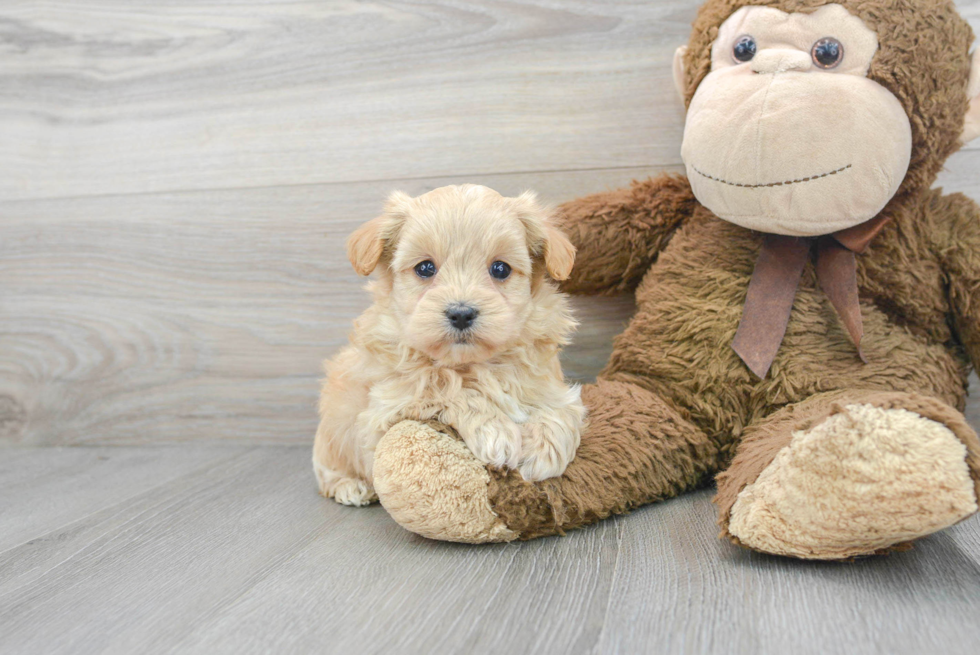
428	397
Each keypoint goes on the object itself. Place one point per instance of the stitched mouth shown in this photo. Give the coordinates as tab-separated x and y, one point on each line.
770	184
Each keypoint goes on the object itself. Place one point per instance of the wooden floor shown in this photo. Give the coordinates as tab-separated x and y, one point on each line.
177	178
230	550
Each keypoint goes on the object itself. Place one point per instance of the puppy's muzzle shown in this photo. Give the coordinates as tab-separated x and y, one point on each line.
461	316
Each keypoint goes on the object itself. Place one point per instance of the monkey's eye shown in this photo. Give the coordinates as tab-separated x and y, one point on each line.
827	52
425	269
744	49
500	270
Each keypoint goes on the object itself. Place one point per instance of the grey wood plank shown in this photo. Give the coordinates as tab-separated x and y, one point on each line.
44	491
110	96
385	592
206	315
960	174
145	575
133	577
242	555
202	315
681	588
120	97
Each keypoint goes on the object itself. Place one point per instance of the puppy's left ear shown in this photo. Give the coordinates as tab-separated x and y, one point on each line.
559	253
544	238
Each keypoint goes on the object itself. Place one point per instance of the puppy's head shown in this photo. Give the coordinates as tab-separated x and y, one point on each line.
463	267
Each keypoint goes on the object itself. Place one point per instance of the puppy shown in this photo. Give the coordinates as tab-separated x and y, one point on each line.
465	329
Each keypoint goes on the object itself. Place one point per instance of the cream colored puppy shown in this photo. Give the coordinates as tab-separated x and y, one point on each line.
465	329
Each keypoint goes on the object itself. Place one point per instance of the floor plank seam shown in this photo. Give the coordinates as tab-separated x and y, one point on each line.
222	607
118	530
298	185
612	583
515	550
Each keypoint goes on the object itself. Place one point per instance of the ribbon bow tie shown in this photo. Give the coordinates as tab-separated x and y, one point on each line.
777	274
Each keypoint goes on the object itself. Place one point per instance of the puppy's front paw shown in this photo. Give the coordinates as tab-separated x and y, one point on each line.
547	449
354	492
495	441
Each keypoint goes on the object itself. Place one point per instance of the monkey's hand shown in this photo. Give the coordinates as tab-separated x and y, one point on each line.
618	234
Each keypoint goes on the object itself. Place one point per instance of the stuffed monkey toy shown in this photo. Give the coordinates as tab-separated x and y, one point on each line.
808	309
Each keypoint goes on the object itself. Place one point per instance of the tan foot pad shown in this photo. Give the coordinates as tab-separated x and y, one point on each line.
863	480
432	485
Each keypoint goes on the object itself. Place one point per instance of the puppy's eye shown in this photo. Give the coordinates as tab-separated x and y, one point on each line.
500	270
425	269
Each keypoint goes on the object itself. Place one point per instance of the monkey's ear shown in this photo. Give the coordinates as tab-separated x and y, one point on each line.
679	82
971	124
366	245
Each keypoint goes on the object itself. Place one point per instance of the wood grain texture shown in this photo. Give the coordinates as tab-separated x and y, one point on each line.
242	556
672	566
130	315
130	575
112	97
176	182
40	493
202	315
108	97
206	315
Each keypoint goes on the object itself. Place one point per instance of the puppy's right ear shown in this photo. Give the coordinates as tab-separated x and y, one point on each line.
366	245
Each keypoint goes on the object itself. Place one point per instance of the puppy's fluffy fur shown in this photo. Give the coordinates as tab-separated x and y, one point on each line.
498	382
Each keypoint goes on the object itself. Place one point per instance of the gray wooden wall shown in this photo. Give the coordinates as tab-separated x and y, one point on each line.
177	178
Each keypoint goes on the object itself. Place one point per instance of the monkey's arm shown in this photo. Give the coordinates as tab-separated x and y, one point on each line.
618	234
960	254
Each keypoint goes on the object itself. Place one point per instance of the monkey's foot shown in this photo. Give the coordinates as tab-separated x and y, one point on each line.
865	479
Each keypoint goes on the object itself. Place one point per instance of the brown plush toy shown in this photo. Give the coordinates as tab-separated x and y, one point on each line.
808	309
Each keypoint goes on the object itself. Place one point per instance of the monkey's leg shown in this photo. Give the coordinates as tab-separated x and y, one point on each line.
849	473
636	449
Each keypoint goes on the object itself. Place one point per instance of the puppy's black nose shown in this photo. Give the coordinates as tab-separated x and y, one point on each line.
461	316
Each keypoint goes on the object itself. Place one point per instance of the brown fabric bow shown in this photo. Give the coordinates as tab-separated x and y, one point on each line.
777	274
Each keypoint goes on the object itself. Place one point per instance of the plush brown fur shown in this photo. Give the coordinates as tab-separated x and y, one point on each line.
674	400
642	449
675	404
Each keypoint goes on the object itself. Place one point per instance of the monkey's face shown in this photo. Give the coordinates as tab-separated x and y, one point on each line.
787	134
